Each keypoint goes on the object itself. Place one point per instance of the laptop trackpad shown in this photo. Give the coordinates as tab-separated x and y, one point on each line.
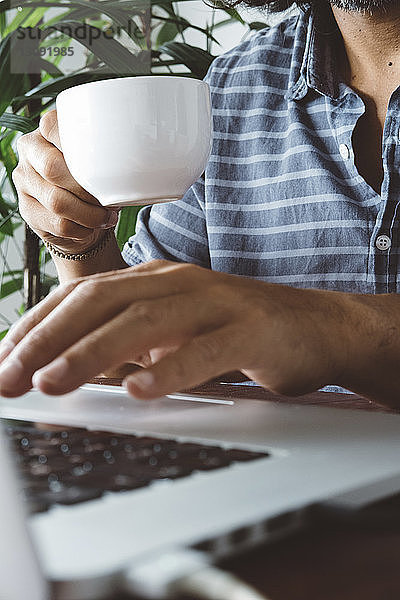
99	406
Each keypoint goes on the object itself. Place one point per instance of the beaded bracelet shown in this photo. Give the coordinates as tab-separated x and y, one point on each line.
90	253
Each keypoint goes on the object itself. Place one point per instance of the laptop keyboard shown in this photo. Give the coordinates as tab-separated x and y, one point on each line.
75	465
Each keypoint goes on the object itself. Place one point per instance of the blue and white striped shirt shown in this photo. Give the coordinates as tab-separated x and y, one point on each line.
281	199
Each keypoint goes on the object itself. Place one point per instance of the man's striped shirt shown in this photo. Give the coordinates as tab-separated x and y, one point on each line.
281	199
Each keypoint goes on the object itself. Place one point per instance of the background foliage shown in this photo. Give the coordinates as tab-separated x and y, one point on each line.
147	36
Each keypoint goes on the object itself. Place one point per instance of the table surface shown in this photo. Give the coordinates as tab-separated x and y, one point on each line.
329	562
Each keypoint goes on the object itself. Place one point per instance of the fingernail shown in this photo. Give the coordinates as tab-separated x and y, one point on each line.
5	349
143	380
52	373
111	221
10	373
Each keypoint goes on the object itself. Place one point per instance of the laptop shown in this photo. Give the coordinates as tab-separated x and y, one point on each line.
119	480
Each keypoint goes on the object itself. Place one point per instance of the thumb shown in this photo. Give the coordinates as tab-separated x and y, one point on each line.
48	127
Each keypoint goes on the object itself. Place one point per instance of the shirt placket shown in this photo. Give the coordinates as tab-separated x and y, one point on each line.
346	111
385	238
381	219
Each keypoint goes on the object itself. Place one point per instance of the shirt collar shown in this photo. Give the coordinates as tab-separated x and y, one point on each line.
315	55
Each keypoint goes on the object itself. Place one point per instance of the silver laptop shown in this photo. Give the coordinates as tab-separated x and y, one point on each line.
123	481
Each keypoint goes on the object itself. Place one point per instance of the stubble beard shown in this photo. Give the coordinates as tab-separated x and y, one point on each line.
365	6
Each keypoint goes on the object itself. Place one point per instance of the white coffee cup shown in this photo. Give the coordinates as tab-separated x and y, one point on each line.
136	140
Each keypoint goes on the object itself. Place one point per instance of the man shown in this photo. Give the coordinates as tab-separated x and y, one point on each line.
297	197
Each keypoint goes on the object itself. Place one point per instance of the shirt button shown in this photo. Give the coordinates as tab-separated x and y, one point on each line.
383	242
344	151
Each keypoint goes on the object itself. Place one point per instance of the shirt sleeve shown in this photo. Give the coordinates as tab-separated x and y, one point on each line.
171	231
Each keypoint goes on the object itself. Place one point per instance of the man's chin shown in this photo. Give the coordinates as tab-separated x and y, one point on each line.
365	6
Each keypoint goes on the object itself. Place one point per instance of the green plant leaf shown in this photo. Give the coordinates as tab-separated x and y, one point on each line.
198	61
36	16
6	229
232	12
257	25
7	212
21	310
111	9
111	52
27	17
6	225
168	31
11	83
3	333
17	122
3	23
127	224
18	20
181	24
18	272
223	23
58	18
10	287
9	159
50	89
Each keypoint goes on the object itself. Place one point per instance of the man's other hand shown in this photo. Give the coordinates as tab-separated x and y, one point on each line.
53	204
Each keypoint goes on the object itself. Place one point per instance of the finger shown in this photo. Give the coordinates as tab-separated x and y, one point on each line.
121	371
79	313
137	329
36	315
38	217
165	280
65	204
43	343
49	162
203	358
48	127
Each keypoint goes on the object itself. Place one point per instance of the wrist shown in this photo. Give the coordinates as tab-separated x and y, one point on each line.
370	350
331	326
85	254
312	343
73	246
109	259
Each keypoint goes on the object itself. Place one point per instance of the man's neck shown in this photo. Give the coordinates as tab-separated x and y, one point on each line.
372	44
372	68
